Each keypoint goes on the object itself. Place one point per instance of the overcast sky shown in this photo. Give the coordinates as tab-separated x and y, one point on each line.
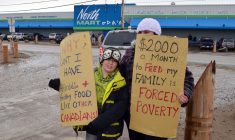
23	6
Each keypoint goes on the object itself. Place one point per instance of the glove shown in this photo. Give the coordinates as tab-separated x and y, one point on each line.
55	84
78	128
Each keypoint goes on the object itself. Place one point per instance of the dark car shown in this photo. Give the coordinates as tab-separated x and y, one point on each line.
29	37
59	38
194	44
40	36
206	43
219	43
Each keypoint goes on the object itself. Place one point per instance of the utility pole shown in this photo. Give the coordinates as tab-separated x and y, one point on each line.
122	14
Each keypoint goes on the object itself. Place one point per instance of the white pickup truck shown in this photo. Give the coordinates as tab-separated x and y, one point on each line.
20	36
16	36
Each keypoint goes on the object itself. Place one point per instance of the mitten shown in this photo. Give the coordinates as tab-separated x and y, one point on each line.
55	84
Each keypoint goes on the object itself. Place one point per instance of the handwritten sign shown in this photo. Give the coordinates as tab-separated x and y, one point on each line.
158	78
78	102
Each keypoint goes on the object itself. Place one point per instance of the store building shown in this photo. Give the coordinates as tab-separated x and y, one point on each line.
44	23
214	21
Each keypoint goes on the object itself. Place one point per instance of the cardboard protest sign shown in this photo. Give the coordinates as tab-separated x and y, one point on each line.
158	78
78	102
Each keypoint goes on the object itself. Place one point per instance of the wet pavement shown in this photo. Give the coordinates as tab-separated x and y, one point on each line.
29	110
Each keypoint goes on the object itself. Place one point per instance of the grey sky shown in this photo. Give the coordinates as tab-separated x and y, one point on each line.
67	5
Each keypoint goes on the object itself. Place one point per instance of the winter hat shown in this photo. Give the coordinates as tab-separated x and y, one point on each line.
111	53
149	24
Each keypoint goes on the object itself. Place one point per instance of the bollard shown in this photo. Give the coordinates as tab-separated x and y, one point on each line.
100	40
15	50
11	46
0	44
5	53
99	44
199	112
36	39
214	47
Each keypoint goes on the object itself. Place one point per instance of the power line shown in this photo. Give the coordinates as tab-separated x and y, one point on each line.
48	7
27	3
163	1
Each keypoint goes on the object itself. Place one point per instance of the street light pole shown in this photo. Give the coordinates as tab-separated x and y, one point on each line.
122	14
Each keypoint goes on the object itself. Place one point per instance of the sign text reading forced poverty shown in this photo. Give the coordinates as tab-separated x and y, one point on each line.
77	85
158	79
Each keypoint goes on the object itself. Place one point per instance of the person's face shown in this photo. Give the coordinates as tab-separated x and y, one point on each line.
147	32
109	65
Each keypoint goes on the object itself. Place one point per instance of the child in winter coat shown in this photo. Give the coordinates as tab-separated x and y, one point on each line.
112	98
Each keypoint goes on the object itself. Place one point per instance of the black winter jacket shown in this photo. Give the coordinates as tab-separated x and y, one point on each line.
109	123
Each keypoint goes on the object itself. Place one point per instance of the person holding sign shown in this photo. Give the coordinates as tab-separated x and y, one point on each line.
151	27
112	98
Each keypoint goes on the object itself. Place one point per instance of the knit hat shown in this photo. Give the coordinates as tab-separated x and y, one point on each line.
149	24
111	53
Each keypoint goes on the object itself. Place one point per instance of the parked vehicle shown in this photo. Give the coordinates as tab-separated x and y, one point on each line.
29	37
226	43
40	36
194	44
59	38
3	36
52	36
206	43
20	36
219	43
120	39
11	36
